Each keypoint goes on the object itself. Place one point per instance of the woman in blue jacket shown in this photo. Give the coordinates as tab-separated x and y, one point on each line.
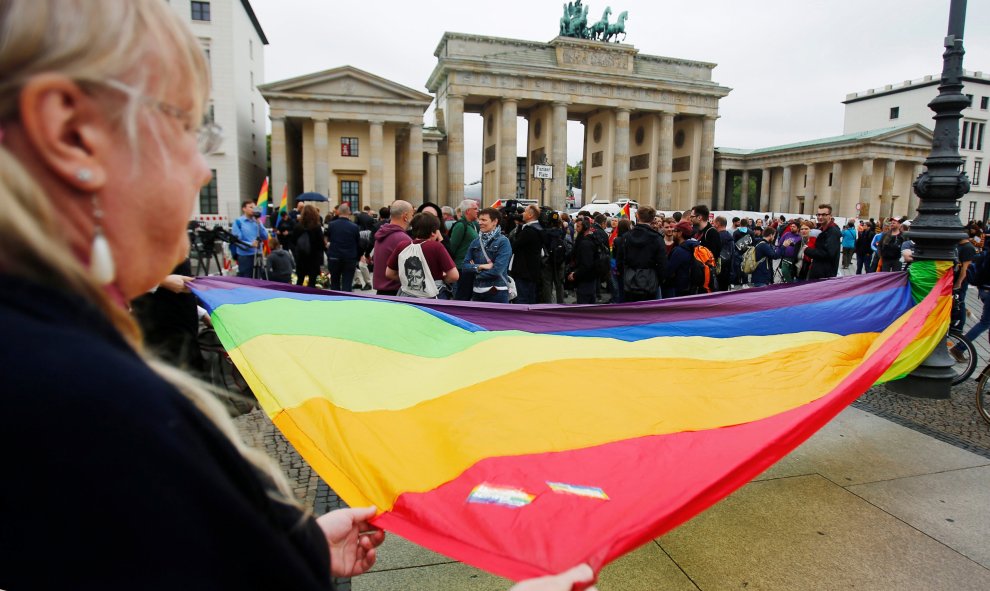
489	256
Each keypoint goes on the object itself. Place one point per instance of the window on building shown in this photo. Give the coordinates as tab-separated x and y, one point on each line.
984	102
972	211
252	112
805	181
970	97
350	193
830	179
251	49
977	171
986	212
348	146
211	114
252	80
200	11
895	112
208	196
972	135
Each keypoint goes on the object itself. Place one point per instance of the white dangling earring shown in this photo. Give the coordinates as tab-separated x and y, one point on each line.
101	265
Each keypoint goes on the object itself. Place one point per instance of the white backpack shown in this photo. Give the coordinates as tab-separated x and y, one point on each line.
415	275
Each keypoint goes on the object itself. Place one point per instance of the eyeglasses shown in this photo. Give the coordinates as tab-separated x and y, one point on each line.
822	214
209	135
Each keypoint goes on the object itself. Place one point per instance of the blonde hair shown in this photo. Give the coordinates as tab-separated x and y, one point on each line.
93	42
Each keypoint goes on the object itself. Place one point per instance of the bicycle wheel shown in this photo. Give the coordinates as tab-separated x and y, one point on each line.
966	358
983	395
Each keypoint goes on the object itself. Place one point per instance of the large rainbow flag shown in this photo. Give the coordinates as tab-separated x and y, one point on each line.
525	440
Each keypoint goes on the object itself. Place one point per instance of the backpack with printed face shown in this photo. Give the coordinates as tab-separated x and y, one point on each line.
749	260
702	277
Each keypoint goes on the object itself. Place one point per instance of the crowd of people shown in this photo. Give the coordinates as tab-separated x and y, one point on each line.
529	255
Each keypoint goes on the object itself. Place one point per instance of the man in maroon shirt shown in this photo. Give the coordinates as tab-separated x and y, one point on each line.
388	238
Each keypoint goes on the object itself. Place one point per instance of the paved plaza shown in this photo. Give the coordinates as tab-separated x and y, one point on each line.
892	494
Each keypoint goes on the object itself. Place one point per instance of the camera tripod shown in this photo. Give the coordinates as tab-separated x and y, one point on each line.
258	270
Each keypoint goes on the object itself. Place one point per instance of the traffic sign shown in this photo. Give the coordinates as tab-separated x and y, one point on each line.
542	171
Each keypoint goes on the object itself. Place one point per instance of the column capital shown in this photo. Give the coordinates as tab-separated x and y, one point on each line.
509	99
325	119
622	110
279	118
564	104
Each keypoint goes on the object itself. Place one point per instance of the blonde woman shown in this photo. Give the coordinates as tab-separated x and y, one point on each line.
120	473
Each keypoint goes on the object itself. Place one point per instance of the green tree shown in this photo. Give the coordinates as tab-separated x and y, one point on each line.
574	174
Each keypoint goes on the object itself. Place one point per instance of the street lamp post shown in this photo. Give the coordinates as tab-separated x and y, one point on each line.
937	229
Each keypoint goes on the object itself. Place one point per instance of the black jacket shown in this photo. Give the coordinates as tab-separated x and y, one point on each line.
825	255
642	248
584	259
160	499
710	239
527	248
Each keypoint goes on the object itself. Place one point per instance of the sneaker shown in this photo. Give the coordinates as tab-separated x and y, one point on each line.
957	355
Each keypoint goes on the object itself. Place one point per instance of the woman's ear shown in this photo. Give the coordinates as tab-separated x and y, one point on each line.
66	128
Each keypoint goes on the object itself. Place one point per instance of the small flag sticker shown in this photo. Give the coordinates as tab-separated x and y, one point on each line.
497	495
592	492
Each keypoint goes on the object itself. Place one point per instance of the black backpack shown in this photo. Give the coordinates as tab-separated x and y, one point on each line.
603	255
554	247
890	247
978	272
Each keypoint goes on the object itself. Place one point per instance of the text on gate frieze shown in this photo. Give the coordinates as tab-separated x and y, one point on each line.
580	57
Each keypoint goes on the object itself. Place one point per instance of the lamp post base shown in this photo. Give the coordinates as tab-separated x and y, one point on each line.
931	379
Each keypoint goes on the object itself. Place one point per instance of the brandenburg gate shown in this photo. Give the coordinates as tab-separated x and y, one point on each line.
649	120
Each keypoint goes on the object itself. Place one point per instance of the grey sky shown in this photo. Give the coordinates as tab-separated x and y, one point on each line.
790	63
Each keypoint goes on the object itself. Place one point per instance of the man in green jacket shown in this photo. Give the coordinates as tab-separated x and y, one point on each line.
462	234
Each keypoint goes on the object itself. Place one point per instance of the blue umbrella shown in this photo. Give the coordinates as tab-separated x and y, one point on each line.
311	196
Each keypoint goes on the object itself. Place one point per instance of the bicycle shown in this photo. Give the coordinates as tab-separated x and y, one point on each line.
965	361
983	394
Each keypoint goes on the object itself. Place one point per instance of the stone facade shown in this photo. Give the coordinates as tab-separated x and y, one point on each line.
612	89
351	136
865	174
907	103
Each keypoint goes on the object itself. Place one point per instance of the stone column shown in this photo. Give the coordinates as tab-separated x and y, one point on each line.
280	167
707	164
666	159
431	177
414	164
744	191
620	175
912	196
454	121
866	185
558	185
809	190
785	190
653	183
376	172
321	157
719	201
887	191
507	150
836	196
764	190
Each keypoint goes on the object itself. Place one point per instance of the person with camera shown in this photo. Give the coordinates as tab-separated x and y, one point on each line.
527	246
248	230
